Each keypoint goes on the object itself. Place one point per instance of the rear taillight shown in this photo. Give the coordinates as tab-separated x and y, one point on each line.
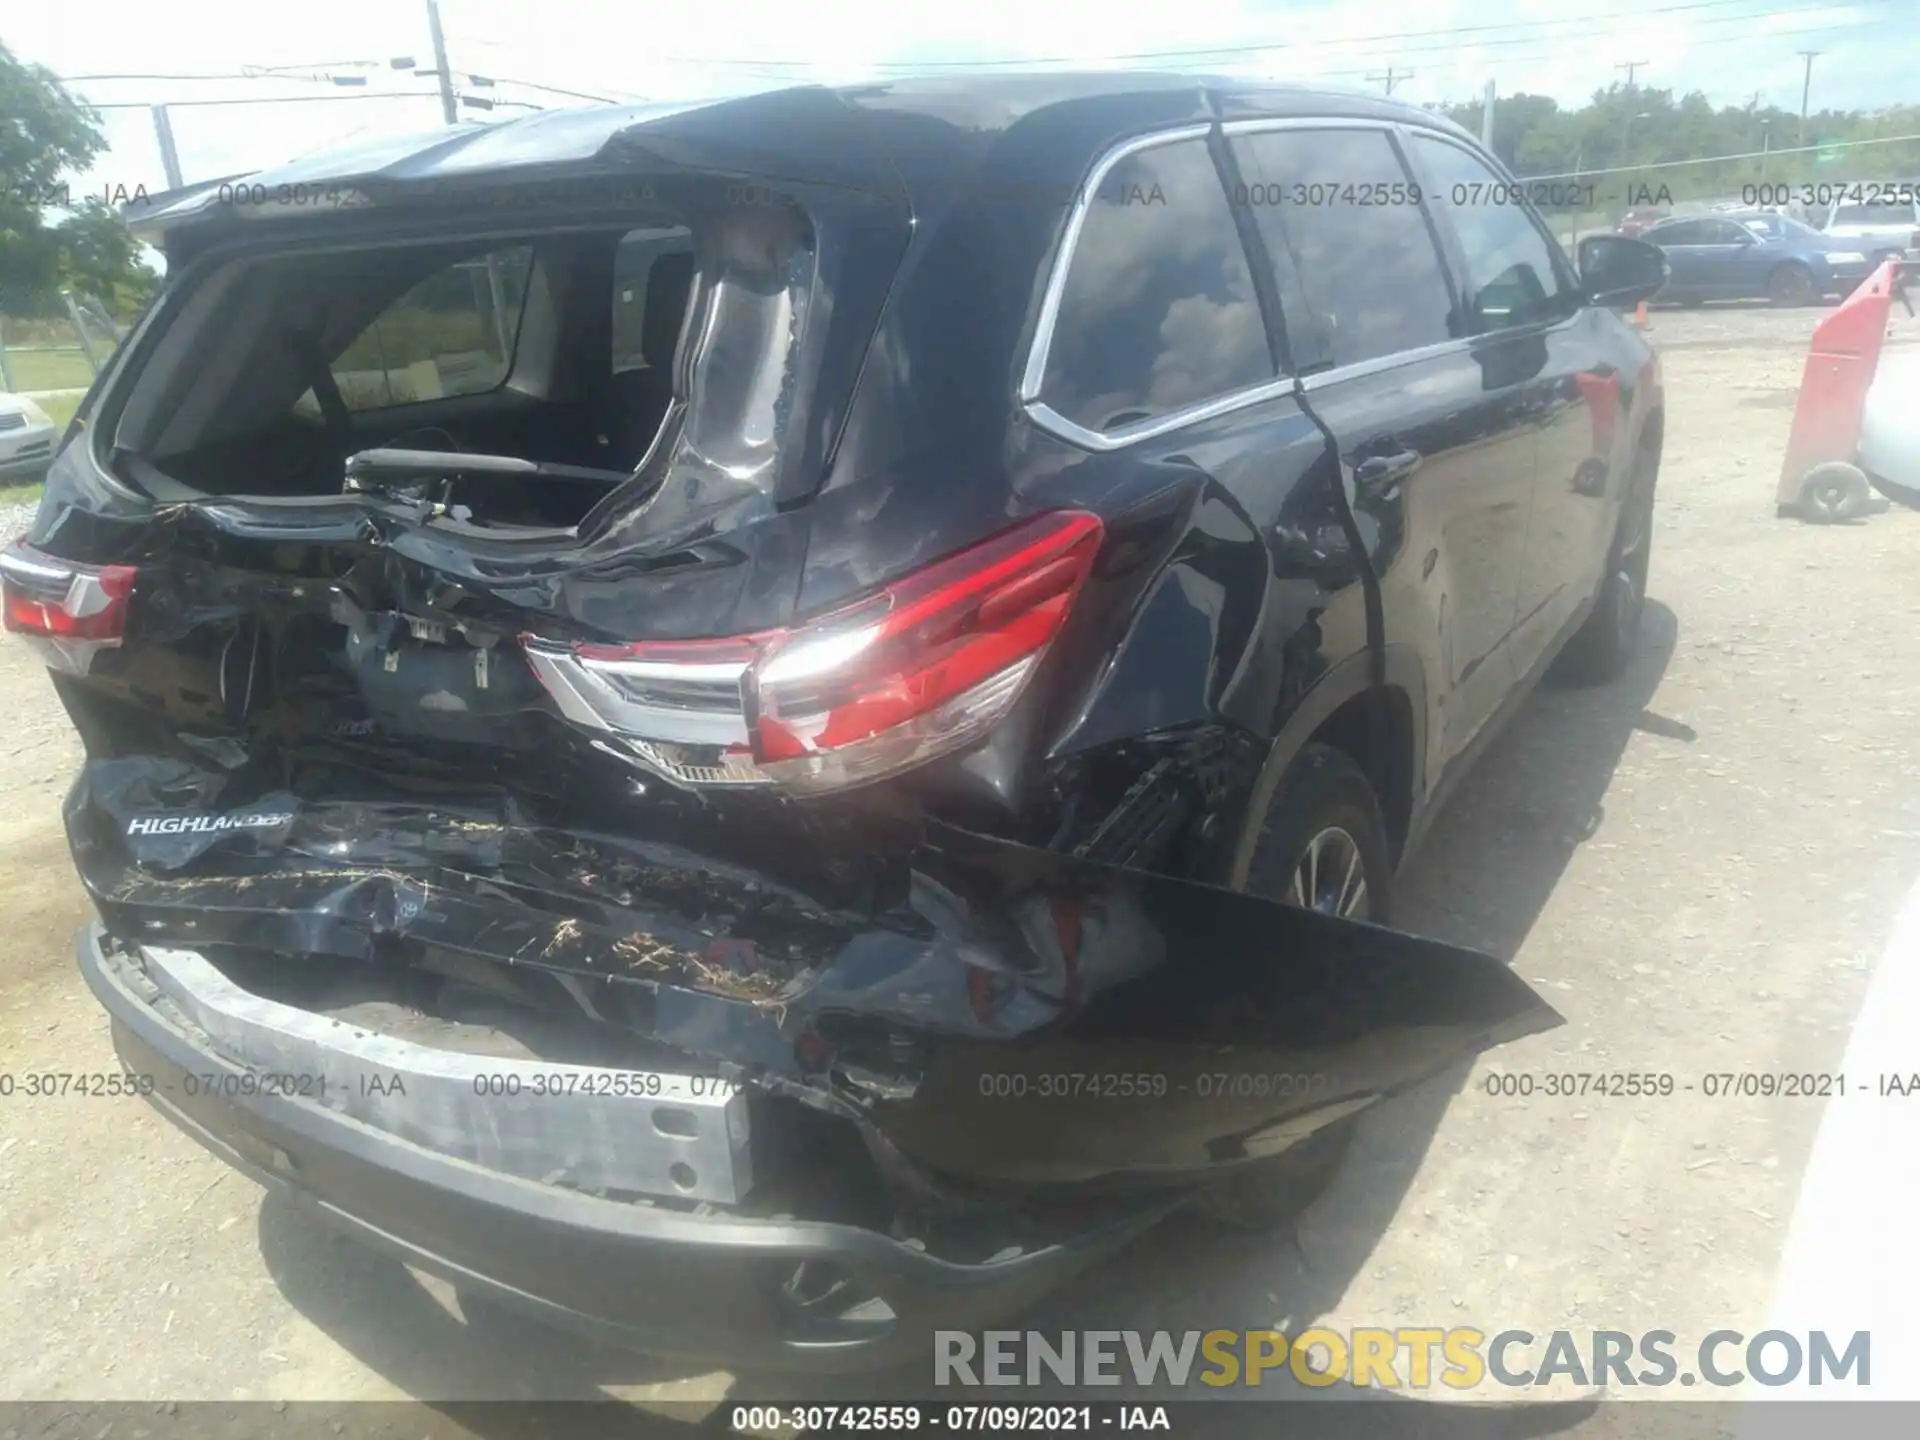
920	669
69	611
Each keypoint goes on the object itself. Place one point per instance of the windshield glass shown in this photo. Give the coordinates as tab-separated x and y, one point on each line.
1774	226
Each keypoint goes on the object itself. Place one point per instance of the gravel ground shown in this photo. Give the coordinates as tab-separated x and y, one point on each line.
1696	864
14	520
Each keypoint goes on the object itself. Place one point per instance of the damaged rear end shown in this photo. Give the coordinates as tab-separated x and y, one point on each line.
526	830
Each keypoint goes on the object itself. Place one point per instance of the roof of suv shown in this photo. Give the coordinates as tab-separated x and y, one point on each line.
920	136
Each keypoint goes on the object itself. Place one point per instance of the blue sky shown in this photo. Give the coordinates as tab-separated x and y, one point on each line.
1730	49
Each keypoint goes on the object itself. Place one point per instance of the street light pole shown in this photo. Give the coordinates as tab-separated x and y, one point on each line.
169	155
1626	144
1806	87
441	72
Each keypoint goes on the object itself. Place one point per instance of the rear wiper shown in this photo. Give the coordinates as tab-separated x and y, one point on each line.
366	464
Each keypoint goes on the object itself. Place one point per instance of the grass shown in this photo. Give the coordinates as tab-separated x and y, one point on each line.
48	369
60	409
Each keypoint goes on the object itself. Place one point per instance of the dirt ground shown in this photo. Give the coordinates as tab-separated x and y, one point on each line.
1697	864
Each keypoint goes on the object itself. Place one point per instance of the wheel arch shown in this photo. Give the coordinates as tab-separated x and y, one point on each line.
1381	728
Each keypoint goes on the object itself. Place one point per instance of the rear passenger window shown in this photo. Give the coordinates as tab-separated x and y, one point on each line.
1687	232
1340	201
454	333
1158	311
1511	276
652	274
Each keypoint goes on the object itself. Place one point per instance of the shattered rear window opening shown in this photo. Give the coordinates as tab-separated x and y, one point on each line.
553	360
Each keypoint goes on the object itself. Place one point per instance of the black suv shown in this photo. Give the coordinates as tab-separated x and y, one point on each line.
726	702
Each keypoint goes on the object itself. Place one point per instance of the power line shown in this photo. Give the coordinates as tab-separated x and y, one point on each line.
265	100
1440	53
1719	159
554	90
1747	39
84	79
1613	20
1391	78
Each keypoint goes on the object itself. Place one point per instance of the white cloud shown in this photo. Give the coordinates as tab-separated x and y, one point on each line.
610	47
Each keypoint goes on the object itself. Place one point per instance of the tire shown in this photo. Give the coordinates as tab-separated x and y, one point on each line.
1791	284
1321	793
1602	648
1834	491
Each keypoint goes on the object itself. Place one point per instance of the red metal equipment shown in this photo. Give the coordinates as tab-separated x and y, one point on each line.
1819	481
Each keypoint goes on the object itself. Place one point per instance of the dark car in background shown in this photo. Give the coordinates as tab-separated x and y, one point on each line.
1640	219
1755	254
754	725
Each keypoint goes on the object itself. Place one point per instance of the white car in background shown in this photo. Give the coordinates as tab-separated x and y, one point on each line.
27	438
1890	426
1884	228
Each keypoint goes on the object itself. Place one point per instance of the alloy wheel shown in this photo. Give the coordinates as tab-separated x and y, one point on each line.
1330	876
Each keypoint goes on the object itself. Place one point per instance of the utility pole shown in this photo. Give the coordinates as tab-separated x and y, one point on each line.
169	156
1630	66
1806	88
1392	78
440	70
1486	117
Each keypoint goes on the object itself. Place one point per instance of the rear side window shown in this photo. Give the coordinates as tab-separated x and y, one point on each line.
1341	203
652	274
453	333
1158	312
1687	232
1511	277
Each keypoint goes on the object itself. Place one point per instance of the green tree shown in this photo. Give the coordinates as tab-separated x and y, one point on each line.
46	133
1629	130
100	256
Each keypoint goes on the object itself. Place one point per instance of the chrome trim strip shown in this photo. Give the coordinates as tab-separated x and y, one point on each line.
1057	282
1055	423
586	698
728	673
617	1129
1308	122
1381	363
12	562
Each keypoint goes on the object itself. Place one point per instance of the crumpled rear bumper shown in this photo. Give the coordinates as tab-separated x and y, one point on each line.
663	1281
995	1018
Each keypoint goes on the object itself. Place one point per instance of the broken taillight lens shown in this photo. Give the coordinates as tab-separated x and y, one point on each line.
69	611
921	668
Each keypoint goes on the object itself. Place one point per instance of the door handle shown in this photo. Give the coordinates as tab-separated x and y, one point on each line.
1376	475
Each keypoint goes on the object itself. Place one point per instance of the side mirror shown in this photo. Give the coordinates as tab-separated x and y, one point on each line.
1617	271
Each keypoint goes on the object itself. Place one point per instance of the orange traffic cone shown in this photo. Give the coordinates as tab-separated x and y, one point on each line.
1640	316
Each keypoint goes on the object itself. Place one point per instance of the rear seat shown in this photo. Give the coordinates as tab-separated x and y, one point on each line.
637	399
